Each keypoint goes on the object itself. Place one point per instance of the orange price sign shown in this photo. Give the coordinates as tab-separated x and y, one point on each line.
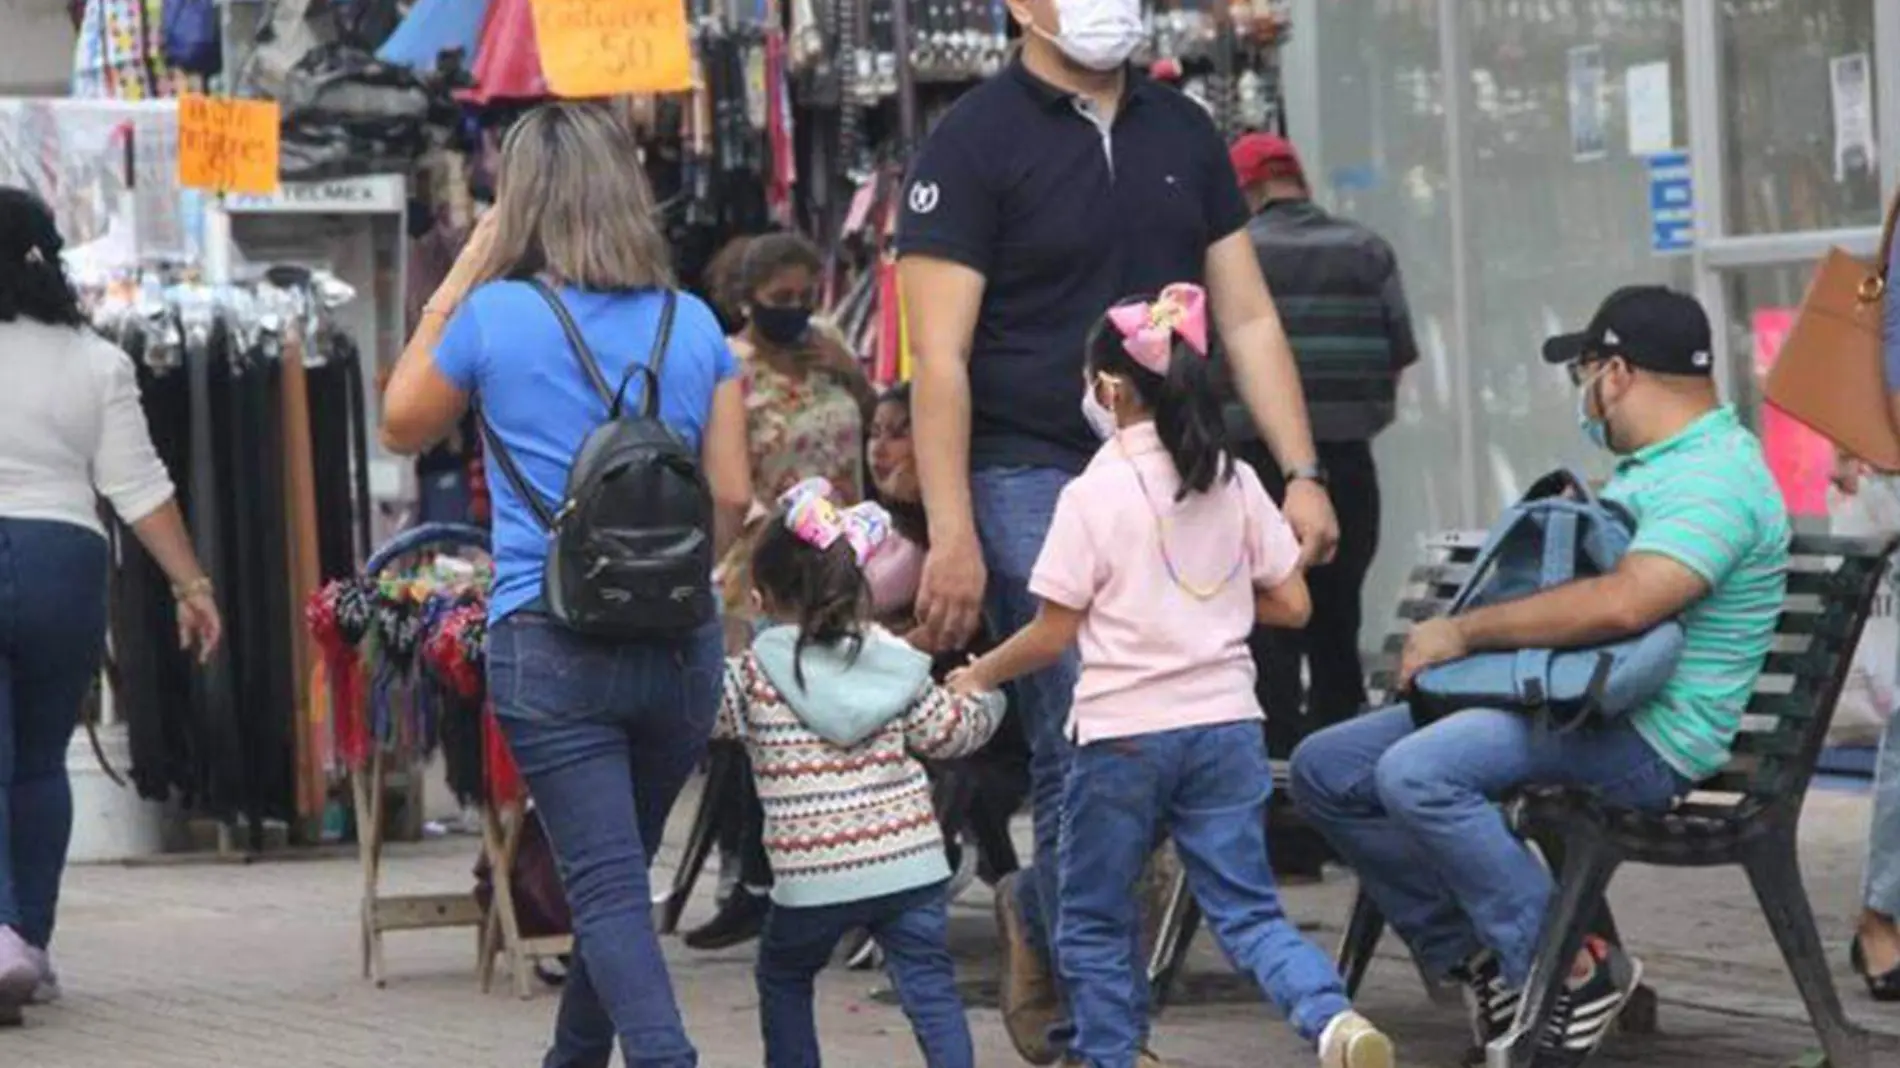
227	146
593	48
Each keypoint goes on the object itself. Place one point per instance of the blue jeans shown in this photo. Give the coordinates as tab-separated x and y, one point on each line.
1208	788
1414	812
912	928
52	634
1013	508
606	735
1883	838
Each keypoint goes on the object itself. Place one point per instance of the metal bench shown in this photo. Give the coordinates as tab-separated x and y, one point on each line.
1747	816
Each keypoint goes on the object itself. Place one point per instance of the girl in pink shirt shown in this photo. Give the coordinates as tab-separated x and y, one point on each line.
1161	558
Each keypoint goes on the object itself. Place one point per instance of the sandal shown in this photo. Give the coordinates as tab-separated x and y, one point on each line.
1883	987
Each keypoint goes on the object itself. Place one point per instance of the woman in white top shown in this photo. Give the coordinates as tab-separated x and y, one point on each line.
71	430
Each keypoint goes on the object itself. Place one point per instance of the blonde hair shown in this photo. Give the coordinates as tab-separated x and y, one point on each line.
572	202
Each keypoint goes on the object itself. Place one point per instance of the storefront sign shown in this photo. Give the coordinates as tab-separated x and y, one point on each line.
1671	204
595	48
227	146
1652	117
373	194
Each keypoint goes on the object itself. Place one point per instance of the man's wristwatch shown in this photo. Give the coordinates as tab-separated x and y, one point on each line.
1312	472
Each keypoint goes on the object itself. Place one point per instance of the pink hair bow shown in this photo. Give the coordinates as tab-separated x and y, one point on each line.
1148	330
819	523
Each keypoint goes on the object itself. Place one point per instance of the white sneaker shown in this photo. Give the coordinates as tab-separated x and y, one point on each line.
1351	1041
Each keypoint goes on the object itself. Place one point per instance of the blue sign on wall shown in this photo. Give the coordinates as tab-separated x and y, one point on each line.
1671	204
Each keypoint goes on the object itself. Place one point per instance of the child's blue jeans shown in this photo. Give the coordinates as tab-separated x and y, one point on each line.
1208	788
913	930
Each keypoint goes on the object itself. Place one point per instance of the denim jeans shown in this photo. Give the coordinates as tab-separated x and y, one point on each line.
913	930
606	734
1013	508
1415	814
1883	838
52	635
1208	788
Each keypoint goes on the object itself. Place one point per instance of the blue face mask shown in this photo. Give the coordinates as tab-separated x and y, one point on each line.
1596	428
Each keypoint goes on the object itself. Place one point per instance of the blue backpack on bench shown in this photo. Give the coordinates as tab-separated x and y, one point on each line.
1558	533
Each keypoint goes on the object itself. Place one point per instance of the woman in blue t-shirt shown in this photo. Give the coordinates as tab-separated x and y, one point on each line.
606	733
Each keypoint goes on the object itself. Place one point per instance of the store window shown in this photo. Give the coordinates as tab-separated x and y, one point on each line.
1577	117
1379	106
1799	98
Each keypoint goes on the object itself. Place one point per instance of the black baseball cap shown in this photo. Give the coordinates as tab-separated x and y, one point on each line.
1653	327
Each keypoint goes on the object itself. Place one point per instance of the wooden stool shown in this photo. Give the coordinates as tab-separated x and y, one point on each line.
382	913
501	929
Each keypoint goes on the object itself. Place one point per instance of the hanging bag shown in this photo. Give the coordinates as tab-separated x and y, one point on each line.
1558	533
1830	374
630	548
191	37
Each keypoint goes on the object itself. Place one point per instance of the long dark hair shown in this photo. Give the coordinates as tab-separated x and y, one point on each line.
907	517
1186	408
823	587
33	281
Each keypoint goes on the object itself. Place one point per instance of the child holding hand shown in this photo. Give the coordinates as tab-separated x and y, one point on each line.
834	712
1161	558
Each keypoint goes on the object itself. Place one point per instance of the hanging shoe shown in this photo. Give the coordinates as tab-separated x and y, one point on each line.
1883	987
19	971
737	922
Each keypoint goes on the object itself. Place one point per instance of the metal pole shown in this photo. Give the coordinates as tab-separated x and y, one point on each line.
1454	66
1886	58
1702	76
906	79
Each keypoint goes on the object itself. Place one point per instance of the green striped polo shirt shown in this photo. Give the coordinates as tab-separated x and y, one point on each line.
1706	500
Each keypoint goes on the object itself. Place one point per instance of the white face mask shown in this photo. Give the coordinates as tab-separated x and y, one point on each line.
1100	419
1098	34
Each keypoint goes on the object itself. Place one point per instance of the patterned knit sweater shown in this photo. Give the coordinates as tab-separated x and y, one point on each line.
847	804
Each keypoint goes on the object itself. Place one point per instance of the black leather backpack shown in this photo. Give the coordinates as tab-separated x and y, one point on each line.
630	552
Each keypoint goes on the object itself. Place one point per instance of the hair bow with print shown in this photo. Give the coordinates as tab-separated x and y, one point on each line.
819	523
1149	330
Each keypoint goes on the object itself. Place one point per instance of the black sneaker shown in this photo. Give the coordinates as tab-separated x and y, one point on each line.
737	922
1586	1011
1490	1005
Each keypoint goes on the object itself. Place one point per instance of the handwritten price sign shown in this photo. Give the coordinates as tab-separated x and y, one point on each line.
595	48
227	146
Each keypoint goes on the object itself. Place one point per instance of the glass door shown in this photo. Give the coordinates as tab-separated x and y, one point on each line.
1789	161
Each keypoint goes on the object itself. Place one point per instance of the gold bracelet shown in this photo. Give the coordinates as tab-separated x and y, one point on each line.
185	591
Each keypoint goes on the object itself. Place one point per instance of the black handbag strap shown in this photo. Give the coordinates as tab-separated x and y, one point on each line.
650	407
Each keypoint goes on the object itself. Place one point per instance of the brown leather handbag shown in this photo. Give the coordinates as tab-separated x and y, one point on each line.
1830	374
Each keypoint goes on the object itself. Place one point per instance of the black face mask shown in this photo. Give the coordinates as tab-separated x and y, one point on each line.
782	326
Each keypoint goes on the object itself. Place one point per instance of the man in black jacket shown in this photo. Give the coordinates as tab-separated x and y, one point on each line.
1337	287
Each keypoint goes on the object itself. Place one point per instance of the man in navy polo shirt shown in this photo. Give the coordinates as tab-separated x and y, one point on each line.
1055	188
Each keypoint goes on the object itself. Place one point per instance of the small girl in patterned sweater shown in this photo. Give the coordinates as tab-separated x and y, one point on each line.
834	711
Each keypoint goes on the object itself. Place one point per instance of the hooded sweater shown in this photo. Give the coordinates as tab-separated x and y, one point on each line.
847	803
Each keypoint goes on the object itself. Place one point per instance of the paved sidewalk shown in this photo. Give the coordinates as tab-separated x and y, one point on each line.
182	966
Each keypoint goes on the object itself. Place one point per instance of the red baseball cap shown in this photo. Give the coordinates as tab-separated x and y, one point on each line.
1258	157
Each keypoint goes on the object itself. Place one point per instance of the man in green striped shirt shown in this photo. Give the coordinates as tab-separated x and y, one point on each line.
1414	811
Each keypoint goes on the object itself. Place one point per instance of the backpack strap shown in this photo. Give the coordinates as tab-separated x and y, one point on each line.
650	407
656	362
649	371
574	339
512	471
